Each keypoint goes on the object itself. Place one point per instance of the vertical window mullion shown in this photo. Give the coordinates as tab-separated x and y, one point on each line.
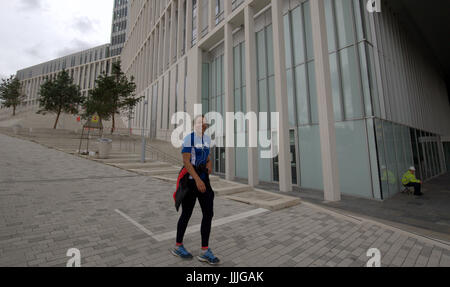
294	74
307	80
358	57
339	62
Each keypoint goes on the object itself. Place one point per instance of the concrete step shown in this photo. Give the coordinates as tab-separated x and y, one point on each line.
264	199
155	172
231	189
118	155
119	160
174	177
142	166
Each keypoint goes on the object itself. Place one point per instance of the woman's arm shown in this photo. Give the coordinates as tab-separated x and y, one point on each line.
190	168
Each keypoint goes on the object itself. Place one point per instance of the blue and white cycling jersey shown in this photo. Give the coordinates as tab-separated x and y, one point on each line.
199	148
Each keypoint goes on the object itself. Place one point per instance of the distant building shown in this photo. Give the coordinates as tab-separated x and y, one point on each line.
119	26
84	67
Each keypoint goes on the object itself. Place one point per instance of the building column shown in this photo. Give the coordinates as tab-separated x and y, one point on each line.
227	9
150	68
212	15
155	53
279	53
160	48
78	82
199	19
188	25
325	103
165	41
88	78
145	65
172	46
252	99
180	29
230	151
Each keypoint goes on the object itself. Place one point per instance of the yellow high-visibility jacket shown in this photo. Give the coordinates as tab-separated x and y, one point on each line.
408	178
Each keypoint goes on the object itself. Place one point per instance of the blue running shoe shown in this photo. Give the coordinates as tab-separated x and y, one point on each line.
209	258
182	253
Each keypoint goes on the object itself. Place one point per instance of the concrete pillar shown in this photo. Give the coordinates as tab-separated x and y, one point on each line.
279	53
151	59
161	48
165	41
172	45
79	76
88	78
227	9
199	19
199	64
156	54
188	25
252	100
325	103
180	29
211	15
230	153
146	65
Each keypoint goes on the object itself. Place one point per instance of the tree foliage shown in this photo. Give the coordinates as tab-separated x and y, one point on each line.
60	95
11	93
112	95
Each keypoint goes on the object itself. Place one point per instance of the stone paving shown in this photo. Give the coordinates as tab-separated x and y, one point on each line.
51	201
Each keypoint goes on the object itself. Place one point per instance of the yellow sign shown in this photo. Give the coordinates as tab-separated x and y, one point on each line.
95	119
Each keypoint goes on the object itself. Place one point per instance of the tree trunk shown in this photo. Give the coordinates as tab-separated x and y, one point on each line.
113	124
57	119
14	111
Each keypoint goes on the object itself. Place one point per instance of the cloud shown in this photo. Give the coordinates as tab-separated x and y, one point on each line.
75	45
84	25
31	5
35	51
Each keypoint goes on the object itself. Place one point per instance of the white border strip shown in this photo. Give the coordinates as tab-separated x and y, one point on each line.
196	228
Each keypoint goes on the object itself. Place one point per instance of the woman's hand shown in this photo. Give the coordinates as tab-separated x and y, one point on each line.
200	185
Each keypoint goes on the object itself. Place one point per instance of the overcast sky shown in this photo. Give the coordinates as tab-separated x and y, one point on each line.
35	31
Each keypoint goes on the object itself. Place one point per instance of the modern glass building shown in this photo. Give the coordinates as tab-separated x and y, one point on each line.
119	26
361	97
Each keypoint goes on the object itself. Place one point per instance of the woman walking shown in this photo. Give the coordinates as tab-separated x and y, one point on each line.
197	163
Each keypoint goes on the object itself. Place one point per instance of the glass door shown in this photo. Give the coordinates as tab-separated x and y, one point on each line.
293	144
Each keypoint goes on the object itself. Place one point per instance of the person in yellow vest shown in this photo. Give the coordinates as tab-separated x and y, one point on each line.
387	176
409	180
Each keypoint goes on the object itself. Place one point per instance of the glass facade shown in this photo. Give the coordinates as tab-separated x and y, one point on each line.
376	89
350	88
373	154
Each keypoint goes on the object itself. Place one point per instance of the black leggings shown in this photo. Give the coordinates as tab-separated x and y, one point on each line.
206	203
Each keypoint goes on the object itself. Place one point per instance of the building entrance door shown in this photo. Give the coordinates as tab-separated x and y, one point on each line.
293	144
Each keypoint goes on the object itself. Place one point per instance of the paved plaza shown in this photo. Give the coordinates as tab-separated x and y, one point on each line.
51	201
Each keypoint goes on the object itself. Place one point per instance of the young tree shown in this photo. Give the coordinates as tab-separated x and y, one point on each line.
60	96
112	96
11	93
